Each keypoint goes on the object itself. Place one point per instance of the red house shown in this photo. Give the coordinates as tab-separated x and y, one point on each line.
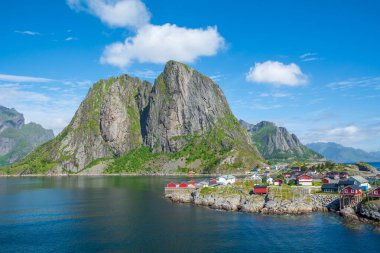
325	181
278	182
305	180
351	190
171	185
260	189
375	193
182	185
213	180
192	182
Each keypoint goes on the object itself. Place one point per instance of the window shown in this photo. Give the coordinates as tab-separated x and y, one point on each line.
352	191
376	192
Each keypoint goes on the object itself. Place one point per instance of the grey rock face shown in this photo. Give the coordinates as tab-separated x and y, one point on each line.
17	139
277	143
10	118
120	114
184	102
6	145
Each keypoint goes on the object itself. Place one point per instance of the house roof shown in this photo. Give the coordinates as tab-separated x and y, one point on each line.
330	186
360	179
353	186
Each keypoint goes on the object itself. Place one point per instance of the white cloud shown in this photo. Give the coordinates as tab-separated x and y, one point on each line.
158	44
151	43
348	131
71	38
21	79
147	73
276	73
307	55
31	33
115	13
276	95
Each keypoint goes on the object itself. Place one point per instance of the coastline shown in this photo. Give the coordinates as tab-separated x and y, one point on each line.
271	204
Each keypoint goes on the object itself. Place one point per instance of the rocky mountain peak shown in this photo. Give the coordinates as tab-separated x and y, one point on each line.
182	113
184	102
10	118
277	143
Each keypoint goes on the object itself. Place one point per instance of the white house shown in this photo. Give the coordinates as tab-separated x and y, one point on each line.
360	181
269	180
256	177
227	179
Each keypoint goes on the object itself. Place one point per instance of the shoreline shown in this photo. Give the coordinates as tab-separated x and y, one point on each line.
118	174
270	204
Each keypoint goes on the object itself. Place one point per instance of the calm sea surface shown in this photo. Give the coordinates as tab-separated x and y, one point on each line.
129	214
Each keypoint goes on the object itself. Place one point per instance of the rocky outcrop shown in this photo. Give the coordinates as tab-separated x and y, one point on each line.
10	118
184	113
370	210
17	139
276	143
184	102
266	204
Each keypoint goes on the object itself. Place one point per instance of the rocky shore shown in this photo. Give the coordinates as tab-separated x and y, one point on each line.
266	204
230	198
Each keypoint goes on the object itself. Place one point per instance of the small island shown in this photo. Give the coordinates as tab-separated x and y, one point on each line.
290	191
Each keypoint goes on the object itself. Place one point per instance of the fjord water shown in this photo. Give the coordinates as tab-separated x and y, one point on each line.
129	214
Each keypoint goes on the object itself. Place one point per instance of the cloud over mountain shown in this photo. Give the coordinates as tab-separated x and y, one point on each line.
276	73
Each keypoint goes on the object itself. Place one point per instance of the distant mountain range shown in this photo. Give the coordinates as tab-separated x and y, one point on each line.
17	139
276	143
338	153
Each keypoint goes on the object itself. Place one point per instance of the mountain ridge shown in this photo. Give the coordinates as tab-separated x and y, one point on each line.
17	139
339	153
277	144
182	120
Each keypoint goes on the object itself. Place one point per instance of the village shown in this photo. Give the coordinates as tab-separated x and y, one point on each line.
344	189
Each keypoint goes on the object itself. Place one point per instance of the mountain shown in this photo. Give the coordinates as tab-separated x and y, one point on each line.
276	143
182	122
17	139
338	153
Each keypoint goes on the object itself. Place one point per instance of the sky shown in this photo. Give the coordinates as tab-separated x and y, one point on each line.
310	66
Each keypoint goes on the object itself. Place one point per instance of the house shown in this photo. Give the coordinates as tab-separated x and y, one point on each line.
304	180
330	188
256	177
294	169
182	185
171	185
328	180
269	181
201	184
213	180
287	175
274	167
351	190
343	183
278	182
360	181
192	182
228	179
343	175
260	189
255	170
375	193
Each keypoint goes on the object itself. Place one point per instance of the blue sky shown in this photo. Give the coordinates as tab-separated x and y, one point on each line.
311	66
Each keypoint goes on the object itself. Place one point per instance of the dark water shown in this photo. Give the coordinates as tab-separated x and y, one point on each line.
129	214
375	165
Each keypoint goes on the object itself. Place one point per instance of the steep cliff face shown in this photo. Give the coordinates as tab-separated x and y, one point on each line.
276	143
183	121
17	139
10	118
184	102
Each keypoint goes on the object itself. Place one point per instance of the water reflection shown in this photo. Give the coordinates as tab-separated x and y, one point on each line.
119	214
